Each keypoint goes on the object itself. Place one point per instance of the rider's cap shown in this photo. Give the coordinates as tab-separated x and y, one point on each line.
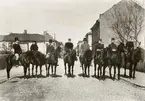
85	39
112	38
16	39
69	39
50	40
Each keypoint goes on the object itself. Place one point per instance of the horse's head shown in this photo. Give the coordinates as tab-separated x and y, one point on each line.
88	55
58	51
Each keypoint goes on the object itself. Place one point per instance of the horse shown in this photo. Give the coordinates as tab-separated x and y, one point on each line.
114	60
70	60
41	61
105	60
136	57
86	62
52	61
25	59
133	56
98	60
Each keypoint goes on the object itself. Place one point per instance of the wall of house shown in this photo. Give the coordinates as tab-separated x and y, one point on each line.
106	19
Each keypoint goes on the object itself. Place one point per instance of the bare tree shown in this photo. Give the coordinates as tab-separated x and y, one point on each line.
126	21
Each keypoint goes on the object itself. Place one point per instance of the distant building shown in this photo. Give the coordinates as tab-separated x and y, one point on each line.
89	39
26	40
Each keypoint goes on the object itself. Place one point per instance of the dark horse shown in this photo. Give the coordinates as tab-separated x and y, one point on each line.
98	60
70	60
116	59
25	59
86	62
40	57
133	56
53	61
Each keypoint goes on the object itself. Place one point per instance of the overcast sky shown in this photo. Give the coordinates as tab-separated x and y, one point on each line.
66	18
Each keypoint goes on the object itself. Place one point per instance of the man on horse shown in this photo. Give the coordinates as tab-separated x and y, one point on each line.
49	49
17	50
84	47
68	48
98	47
112	47
98	56
34	46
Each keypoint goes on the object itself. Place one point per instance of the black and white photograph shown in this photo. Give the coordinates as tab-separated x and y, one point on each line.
72	50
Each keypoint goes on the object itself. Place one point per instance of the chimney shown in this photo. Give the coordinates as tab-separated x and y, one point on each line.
25	31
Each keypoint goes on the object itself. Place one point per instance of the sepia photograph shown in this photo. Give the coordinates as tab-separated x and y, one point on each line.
72	50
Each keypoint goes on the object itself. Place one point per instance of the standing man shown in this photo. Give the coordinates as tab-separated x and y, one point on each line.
17	50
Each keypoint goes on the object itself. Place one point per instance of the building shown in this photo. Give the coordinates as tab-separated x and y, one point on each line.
95	33
89	39
27	39
103	26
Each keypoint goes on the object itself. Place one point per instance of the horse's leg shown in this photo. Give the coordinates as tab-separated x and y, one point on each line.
125	68
72	69
32	70
55	66
110	67
52	69
40	69
114	71
65	67
36	69
104	67
8	71
89	70
134	69
83	72
29	70
95	69
118	71
25	71
46	69
130	70
69	66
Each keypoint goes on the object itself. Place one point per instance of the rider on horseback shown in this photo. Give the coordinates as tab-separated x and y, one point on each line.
34	47
98	48
17	50
68	48
49	49
112	47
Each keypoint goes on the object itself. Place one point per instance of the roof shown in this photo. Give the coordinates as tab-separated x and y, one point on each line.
96	25
1	37
47	37
24	37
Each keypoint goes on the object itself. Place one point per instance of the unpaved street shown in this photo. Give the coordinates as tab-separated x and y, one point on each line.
63	88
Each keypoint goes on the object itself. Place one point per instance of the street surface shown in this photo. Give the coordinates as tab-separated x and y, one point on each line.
63	88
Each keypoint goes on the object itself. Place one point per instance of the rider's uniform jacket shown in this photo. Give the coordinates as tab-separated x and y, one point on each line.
50	48
17	48
34	47
112	48
68	46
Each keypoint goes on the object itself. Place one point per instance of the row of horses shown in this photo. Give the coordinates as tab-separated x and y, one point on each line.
37	59
120	58
101	61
